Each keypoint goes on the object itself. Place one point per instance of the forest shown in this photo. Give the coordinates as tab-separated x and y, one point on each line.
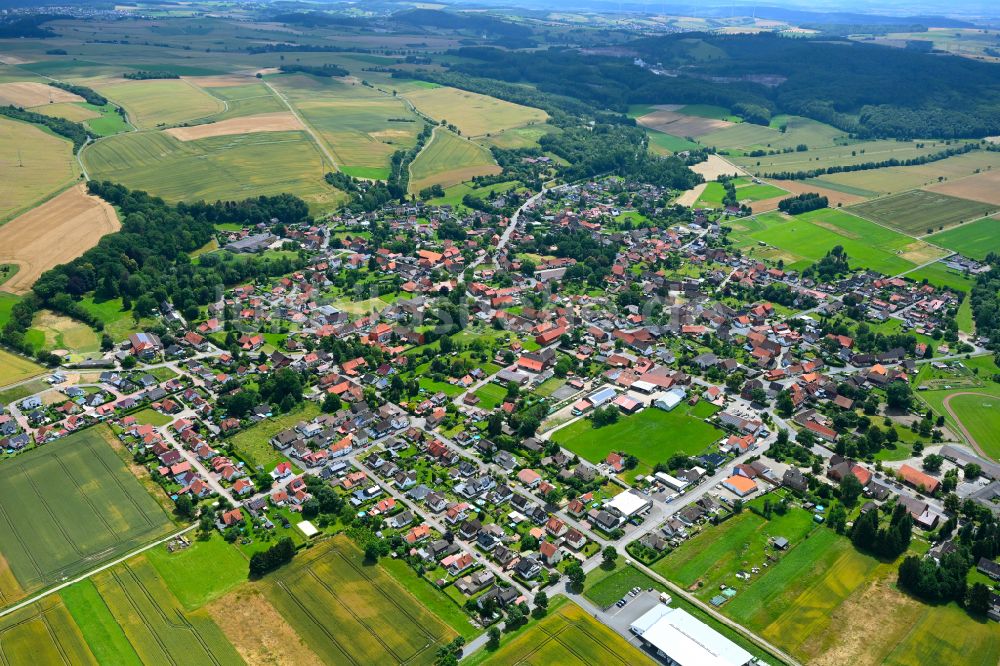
148	262
868	90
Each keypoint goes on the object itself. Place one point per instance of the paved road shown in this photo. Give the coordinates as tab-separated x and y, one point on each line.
107	565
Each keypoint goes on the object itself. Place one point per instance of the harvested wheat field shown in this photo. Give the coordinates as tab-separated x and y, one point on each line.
241	613
281	121
983	187
667	119
836	198
58	231
690	197
715	166
30	93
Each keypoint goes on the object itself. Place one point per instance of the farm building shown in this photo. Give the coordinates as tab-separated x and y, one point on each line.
914	477
595	399
740	485
671	482
629	504
670	399
684	640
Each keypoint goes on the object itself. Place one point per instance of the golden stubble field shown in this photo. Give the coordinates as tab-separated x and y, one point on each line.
56	232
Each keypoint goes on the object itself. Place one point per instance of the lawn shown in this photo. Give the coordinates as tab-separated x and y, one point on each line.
453	195
22	390
201	572
652	436
162	102
980	414
491	395
100	630
568	636
605	587
975	239
340	606
449	160
158	629
14	368
920	212
941	276
253	444
69	505
224	167
44	633
713	557
149	417
805	239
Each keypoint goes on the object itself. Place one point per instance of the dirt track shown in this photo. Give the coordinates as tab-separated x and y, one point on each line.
280	121
961	426
56	232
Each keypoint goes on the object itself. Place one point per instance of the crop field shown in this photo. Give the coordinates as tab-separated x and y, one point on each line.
154	624
568	636
100	630
449	160
919	212
34	164
243	99
892	180
31	93
338	606
840	155
358	130
984	187
806	238
70	505
746	137
667	118
975	239
280	121
228	167
162	102
77	112
474	114
652	436
15	368
834	197
667	144
43	633
56	232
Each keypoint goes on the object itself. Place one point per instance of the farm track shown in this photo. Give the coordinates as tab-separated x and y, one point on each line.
308	128
961	426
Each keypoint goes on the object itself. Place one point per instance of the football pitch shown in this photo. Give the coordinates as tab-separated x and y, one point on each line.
66	507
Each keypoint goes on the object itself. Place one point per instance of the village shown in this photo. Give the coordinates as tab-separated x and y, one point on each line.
506	401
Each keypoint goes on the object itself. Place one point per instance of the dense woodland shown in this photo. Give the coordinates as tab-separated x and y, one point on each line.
148	261
868	90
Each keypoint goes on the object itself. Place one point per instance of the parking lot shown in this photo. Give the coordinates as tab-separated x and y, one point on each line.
620	619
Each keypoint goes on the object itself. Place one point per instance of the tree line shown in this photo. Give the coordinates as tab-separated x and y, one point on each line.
148	261
803	203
